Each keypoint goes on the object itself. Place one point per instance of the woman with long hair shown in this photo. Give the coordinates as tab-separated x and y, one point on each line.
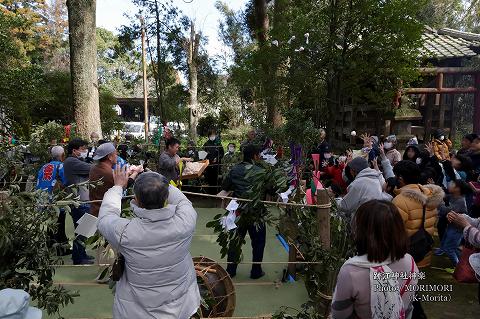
369	285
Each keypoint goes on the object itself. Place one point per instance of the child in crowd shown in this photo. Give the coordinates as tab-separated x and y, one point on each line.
452	237
459	167
441	145
391	151
463	166
333	168
412	153
428	176
370	148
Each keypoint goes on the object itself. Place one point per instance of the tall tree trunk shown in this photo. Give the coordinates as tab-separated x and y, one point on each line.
332	71
193	45
83	66
261	21
262	25
279	99
161	82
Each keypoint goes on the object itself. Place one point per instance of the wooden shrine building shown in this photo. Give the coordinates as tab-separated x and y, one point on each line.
447	93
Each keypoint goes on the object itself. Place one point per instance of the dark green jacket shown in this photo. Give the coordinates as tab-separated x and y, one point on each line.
235	180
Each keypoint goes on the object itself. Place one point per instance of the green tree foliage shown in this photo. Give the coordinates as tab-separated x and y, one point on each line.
25	258
454	14
118	66
357	52
163	25
21	45
442	13
34	79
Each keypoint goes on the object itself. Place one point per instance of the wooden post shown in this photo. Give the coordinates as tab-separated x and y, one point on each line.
476	105
145	92
453	111
323	218
441	116
428	117
438	97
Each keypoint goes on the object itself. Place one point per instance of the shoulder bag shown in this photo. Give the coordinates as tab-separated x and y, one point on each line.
421	242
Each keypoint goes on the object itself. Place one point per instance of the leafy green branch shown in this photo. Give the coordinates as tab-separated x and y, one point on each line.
26	219
264	179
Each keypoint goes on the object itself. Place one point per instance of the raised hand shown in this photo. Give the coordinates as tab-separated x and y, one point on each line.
349	156
429	148
120	176
382	151
457	219
375	164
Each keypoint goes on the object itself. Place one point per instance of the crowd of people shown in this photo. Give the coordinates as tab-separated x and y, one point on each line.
390	201
396	204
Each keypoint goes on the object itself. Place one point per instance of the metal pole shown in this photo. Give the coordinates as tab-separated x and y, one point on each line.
145	93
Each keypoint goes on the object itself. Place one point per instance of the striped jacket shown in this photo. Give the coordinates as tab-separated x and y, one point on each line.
471	233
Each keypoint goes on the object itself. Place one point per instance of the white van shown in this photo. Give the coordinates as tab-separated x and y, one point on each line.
135	129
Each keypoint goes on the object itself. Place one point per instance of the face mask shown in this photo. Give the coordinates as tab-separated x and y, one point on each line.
342	159
366	150
442	138
387	145
418	161
212	138
328	155
83	154
231	149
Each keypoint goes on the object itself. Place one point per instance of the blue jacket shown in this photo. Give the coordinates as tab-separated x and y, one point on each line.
49	174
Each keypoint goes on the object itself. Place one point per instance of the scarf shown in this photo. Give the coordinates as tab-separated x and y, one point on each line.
385	302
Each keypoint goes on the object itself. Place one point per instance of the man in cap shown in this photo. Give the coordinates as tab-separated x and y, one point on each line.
367	184
106	157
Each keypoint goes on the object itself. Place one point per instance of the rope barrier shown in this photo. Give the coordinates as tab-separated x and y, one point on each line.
329	205
206	262
246	283
256	317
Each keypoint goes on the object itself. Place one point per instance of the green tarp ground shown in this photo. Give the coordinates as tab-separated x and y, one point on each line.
253	297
